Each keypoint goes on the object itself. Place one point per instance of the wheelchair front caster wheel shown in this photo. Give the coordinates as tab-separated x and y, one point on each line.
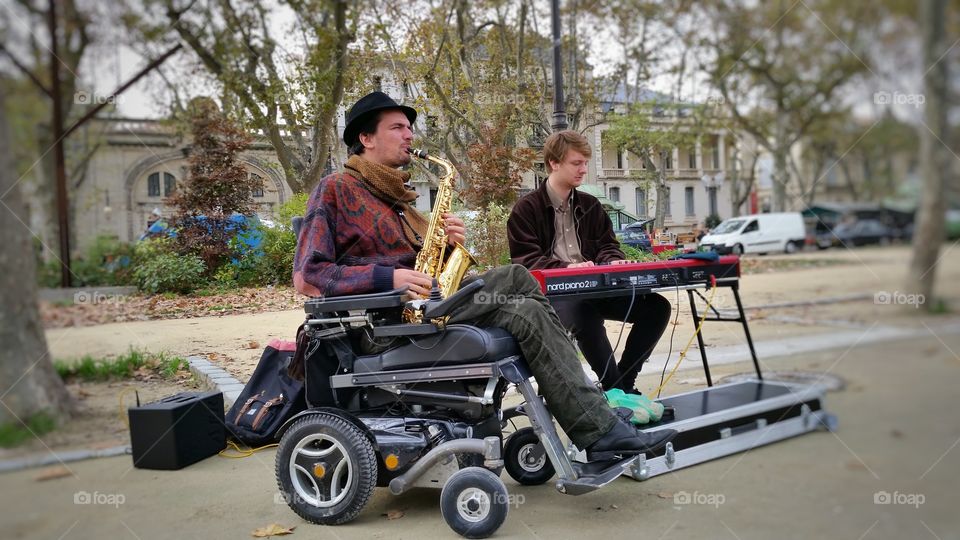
525	459
474	502
326	469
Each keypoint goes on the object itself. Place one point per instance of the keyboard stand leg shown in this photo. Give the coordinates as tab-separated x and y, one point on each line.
703	350
746	329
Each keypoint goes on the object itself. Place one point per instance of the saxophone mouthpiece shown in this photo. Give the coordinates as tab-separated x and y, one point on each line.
422	154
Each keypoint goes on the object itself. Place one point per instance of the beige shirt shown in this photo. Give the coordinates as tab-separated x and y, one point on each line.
566	245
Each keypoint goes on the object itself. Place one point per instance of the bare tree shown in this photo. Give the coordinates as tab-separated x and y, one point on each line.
935	159
30	384
292	98
781	67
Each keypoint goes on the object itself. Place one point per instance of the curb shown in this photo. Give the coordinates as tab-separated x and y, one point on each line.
216	378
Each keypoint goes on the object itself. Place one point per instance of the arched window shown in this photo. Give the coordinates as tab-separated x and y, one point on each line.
257	191
153	185
169	184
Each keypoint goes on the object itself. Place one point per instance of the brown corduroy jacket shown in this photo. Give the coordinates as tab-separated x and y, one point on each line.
530	230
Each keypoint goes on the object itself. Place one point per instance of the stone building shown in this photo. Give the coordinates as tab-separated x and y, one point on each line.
136	164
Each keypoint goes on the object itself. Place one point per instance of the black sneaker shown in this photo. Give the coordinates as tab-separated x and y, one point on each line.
624	440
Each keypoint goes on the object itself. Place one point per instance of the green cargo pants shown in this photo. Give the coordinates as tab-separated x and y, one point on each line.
511	299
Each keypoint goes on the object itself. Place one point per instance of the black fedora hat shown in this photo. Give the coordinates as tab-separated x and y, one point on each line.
368	105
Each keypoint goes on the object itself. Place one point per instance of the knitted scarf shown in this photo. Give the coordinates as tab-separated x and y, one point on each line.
389	185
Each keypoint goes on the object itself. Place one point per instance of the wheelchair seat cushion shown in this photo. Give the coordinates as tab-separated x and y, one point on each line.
457	344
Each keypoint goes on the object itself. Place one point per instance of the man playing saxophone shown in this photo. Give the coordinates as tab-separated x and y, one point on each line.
361	234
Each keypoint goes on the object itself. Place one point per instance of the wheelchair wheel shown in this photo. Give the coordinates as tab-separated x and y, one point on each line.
326	469
474	502
525	460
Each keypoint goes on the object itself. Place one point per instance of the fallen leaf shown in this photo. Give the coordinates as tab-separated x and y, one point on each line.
274	529
394	514
855	466
52	473
665	495
253	345
896	434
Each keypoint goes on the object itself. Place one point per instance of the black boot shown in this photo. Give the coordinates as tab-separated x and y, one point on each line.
623	440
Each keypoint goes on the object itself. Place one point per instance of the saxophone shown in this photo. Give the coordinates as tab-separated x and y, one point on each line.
430	259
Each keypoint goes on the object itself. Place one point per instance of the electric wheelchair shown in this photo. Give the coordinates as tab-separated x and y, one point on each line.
426	411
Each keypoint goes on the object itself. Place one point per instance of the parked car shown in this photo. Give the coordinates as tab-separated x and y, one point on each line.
636	236
862	233
757	233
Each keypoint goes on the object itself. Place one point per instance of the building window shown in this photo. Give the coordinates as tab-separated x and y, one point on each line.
666	196
716	154
153	185
169	184
641	202
692	158
619	158
258	190
668	161
433	197
614	194
712	192
688	199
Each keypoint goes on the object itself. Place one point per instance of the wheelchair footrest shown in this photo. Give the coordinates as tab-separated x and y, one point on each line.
593	476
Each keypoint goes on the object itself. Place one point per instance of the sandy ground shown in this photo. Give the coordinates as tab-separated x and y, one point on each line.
897	441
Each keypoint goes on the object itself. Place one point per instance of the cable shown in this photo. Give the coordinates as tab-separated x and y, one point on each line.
623	325
683	353
673	331
123	417
231	445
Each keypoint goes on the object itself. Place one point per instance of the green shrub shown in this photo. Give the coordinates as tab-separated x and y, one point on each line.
295	207
487	236
14	433
158	268
89	368
107	262
272	264
635	254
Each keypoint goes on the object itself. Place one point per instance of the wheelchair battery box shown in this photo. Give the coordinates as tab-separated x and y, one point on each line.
177	431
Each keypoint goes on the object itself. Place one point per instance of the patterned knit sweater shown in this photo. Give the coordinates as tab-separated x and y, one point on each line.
350	241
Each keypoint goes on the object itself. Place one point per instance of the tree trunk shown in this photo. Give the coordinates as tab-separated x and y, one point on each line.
29	383
780	178
934	156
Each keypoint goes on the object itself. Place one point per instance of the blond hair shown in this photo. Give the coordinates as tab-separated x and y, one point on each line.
561	142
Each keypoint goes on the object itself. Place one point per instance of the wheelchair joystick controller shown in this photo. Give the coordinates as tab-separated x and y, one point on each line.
435	294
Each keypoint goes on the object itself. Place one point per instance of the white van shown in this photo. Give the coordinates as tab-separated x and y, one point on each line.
758	233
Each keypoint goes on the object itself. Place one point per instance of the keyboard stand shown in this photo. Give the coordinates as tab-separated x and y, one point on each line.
734	285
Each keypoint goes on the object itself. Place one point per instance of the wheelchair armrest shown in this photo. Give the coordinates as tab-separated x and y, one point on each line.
354	302
436	309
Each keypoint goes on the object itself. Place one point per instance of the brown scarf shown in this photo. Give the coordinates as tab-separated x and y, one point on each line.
389	185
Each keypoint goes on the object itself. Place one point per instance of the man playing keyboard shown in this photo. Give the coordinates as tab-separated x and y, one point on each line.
556	226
